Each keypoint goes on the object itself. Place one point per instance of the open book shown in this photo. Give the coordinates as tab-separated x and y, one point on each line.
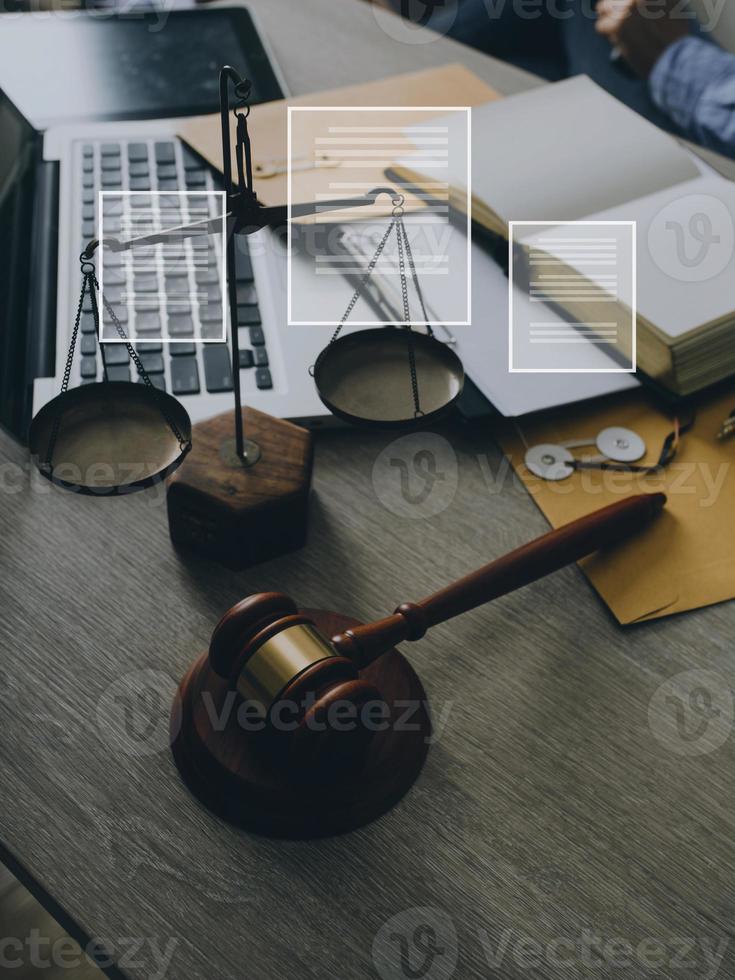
571	152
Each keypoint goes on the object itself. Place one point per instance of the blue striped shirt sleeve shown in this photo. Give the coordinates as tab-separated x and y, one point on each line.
694	83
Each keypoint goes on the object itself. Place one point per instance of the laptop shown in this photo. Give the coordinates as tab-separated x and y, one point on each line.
49	195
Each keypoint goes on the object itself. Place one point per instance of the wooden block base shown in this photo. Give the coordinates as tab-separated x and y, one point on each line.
236	514
239	777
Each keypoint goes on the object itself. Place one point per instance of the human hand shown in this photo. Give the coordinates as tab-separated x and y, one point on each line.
641	30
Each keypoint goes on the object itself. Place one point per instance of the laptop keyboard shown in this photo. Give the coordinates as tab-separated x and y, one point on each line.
179	366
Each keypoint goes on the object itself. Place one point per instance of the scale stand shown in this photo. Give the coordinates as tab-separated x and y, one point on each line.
241	500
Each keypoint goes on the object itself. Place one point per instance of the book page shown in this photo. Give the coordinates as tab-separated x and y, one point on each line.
686	242
565	151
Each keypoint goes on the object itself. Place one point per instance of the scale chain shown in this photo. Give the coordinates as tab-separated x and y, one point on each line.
184	445
415	277
400	233
54	434
368	272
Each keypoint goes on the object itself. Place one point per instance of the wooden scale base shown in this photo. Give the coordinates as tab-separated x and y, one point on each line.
241	514
236	775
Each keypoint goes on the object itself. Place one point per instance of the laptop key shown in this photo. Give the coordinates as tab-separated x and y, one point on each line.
148	321
184	376
246	358
196	178
149	346
243	267
182	349
178	304
263	378
89	344
152	363
88	150
246	294
87	323
113	294
114	276
112	205
166	171
207	276
110	149
217	368
137	151
140	184
89	367
143	283
177	270
261	357
167	185
165	153
88	212
146	304
88	229
111	178
116	354
120	311
118	373
157	380
248	316
138	169
257	337
180	325
110	162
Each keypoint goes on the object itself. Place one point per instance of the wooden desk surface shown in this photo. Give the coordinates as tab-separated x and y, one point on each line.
551	806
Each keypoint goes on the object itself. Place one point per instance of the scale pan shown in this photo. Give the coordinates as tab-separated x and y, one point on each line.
365	378
114	437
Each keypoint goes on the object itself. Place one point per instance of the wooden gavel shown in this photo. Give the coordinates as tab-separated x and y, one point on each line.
271	653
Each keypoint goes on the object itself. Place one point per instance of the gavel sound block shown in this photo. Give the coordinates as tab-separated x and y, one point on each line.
306	723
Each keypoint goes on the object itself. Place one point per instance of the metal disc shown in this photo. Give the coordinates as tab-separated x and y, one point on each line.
549	461
113	437
365	377
621	445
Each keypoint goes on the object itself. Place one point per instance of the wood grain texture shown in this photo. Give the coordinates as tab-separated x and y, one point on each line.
241	515
547	806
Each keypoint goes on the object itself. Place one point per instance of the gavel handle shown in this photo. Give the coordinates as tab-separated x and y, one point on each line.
526	564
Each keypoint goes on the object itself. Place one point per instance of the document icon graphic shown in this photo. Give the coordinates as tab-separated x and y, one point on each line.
584	273
345	154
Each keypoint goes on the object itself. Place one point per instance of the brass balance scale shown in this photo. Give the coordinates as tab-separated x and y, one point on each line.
390	376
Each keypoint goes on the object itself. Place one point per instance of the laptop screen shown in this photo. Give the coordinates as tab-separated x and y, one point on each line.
19	145
99	66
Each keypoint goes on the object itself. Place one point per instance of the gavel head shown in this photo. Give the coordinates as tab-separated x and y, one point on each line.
310	697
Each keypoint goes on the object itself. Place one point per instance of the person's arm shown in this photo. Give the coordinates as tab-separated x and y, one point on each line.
692	80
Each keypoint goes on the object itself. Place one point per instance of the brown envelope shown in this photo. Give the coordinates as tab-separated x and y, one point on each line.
686	558
448	86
